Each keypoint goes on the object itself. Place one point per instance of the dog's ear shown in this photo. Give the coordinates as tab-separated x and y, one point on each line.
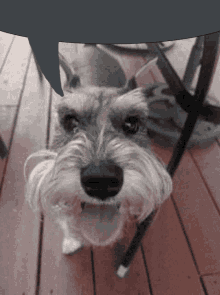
131	84
73	80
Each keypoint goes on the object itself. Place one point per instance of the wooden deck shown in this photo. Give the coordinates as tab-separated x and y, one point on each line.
180	253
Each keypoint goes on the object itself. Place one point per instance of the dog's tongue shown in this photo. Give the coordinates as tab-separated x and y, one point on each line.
99	222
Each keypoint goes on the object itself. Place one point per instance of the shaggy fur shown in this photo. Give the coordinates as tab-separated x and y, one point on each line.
95	125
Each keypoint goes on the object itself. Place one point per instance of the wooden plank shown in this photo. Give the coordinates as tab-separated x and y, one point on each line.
19	226
197	211
106	262
61	274
208	240
212	283
7	117
208	162
168	257
169	261
192	186
170	265
5	45
13	72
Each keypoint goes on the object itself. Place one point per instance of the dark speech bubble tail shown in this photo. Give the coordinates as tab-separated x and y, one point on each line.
46	55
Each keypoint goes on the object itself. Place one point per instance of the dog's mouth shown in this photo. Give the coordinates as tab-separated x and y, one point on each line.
100	223
85	204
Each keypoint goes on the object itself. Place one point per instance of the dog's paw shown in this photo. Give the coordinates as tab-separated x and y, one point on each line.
71	246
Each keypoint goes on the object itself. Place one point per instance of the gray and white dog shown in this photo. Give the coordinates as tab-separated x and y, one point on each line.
99	174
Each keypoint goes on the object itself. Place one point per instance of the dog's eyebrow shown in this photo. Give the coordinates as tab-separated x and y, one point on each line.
78	105
133	100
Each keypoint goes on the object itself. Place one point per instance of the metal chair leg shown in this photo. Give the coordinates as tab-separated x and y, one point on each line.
3	149
193	62
211	48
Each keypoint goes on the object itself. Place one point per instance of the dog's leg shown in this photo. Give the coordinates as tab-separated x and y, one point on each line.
70	244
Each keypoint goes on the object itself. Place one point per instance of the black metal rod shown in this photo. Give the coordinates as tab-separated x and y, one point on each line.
135	243
174	82
193	62
3	149
211	49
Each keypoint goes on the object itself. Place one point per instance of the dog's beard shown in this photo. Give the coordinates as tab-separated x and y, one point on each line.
54	185
99	224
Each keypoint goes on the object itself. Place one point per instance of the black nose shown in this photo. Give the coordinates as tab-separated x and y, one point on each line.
103	180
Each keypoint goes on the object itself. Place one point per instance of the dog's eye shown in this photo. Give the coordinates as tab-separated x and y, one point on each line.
70	123
131	125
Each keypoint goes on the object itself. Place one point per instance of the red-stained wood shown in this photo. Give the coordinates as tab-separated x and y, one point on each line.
7	117
11	83
212	283
168	257
187	226
169	262
6	41
197	212
195	198
13	72
19	226
106	262
207	243
61	274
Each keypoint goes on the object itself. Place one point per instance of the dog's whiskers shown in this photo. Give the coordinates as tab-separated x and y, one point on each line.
92	185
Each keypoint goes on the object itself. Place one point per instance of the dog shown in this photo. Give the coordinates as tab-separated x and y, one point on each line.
99	174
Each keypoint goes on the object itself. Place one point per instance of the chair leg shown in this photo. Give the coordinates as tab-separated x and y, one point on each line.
3	149
193	62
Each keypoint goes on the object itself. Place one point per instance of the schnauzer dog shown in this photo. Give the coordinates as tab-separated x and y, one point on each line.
99	173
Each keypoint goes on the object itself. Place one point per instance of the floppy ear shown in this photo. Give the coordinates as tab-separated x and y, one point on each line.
73	80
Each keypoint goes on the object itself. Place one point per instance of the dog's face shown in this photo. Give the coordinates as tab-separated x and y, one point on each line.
101	172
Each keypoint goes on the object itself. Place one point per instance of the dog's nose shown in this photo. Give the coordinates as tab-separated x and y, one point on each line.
102	180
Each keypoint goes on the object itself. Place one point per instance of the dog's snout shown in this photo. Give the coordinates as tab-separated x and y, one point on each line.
102	180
